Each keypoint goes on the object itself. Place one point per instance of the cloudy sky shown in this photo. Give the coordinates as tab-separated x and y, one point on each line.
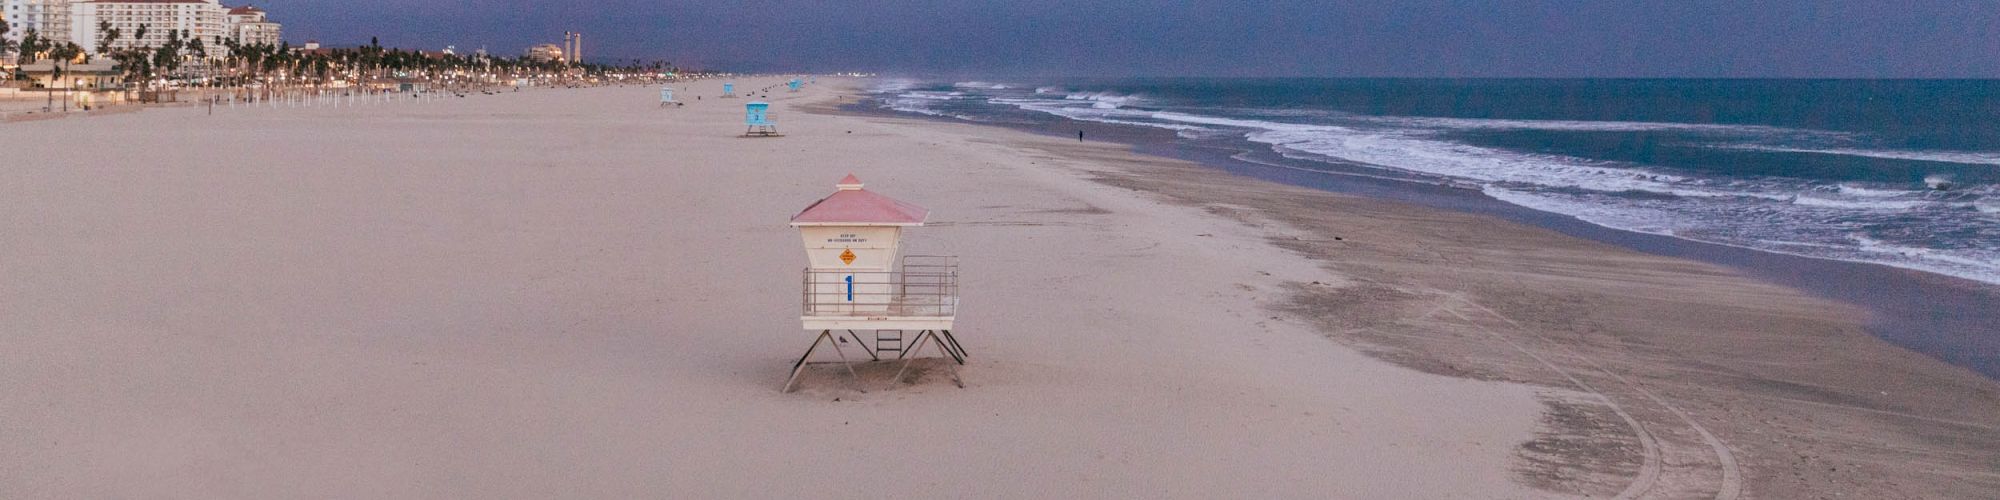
1420	38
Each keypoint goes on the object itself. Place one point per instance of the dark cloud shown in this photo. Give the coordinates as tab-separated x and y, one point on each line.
1551	38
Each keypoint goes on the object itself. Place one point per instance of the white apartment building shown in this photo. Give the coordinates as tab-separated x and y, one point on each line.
81	20
197	18
250	25
49	18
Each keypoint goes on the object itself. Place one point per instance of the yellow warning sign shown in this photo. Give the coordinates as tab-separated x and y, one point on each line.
847	256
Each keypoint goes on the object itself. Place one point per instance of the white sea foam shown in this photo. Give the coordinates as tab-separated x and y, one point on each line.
1578	125
1962	157
1620	217
981	85
1854	190
1444	158
1105	100
1793	216
1864	204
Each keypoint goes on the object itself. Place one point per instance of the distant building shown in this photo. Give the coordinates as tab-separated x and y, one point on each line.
251	26
547	52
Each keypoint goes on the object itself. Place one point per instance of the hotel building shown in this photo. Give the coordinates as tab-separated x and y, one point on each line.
198	18
49	18
78	21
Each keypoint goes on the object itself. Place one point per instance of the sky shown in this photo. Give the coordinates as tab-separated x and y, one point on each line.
1263	38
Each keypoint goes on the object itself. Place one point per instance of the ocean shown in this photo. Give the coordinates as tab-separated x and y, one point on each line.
1903	173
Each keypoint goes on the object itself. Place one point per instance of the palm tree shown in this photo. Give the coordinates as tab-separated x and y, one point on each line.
31	44
167	57
6	46
60	56
110	37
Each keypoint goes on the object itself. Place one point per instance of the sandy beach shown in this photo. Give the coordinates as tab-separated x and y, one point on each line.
579	294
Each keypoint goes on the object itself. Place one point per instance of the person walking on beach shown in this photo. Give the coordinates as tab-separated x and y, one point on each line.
1079	136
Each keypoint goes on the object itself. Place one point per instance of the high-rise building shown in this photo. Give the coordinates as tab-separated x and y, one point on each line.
207	20
48	18
162	18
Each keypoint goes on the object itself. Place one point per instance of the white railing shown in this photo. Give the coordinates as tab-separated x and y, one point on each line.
926	286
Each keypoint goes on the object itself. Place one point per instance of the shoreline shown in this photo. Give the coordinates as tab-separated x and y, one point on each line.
1946	317
1738	385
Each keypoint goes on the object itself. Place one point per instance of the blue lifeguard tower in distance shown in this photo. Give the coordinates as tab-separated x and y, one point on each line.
729	90
667	96
794	84
756	115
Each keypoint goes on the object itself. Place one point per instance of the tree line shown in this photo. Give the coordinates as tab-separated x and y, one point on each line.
235	63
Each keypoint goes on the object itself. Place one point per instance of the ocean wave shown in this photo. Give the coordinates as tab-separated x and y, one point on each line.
1960	157
1449	159
1975	264
1868	204
894	85
935	96
1853	190
981	85
1613	216
1108	100
1827	242
922	102
1786	215
1585	126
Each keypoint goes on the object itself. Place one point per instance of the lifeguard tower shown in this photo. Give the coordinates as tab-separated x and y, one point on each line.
794	84
756	115
855	281
667	97
729	90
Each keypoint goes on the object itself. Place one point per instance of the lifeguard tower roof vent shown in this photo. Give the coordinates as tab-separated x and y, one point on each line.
853	206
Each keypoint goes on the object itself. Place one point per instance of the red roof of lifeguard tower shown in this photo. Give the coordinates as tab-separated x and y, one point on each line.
853	206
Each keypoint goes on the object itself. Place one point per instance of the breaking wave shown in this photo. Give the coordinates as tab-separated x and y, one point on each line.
1940	225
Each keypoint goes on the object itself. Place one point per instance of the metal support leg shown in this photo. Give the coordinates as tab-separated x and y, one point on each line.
953	370
910	346
919	344
801	365
864	345
958	350
853	378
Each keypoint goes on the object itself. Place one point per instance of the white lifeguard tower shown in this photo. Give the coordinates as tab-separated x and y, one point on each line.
667	97
855	281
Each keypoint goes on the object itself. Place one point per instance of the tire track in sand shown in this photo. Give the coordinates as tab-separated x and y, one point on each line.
1727	487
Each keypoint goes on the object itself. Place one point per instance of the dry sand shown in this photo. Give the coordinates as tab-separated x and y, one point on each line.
575	293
